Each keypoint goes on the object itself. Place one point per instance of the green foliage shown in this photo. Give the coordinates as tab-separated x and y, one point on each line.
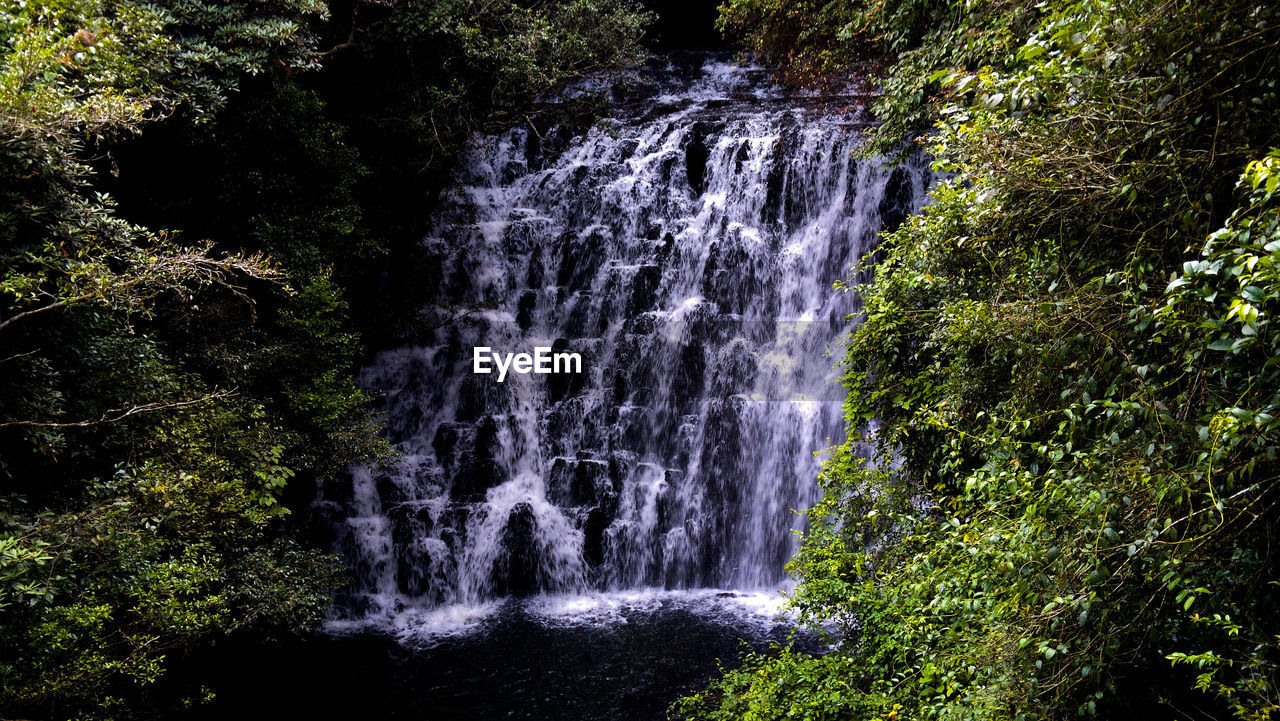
309	368
213	46
813	42
1080	513
278	155
156	556
20	560
179	353
782	684
414	79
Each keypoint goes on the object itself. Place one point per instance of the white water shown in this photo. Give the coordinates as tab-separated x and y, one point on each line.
687	249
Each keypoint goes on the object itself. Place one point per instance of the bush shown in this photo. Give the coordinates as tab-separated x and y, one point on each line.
1073	510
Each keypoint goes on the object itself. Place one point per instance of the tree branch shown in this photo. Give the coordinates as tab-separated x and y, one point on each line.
33	311
119	414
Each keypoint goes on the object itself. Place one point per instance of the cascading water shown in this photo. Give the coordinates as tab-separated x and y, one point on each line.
686	248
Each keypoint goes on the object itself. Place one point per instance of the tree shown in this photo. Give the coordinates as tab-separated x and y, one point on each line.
179	353
1067	356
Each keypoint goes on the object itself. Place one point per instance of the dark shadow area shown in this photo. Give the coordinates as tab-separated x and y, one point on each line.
686	25
516	668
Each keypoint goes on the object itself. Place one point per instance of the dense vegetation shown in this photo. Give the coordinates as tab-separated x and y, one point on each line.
194	196
1068	357
1070	360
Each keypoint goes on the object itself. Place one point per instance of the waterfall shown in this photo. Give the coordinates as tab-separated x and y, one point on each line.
686	249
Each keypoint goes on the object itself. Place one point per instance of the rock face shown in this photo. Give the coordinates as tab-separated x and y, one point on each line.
686	250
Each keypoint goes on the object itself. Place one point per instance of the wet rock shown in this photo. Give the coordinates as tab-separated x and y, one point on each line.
524	309
897	199
735	370
664	247
776	174
696	153
513	170
389	491
644	289
590	485
851	190
516	573
472	396
558	480
568	383
741	156
593	536
620	465
581	481
445	444
581	256
535	277
481	469
690	377
414	559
